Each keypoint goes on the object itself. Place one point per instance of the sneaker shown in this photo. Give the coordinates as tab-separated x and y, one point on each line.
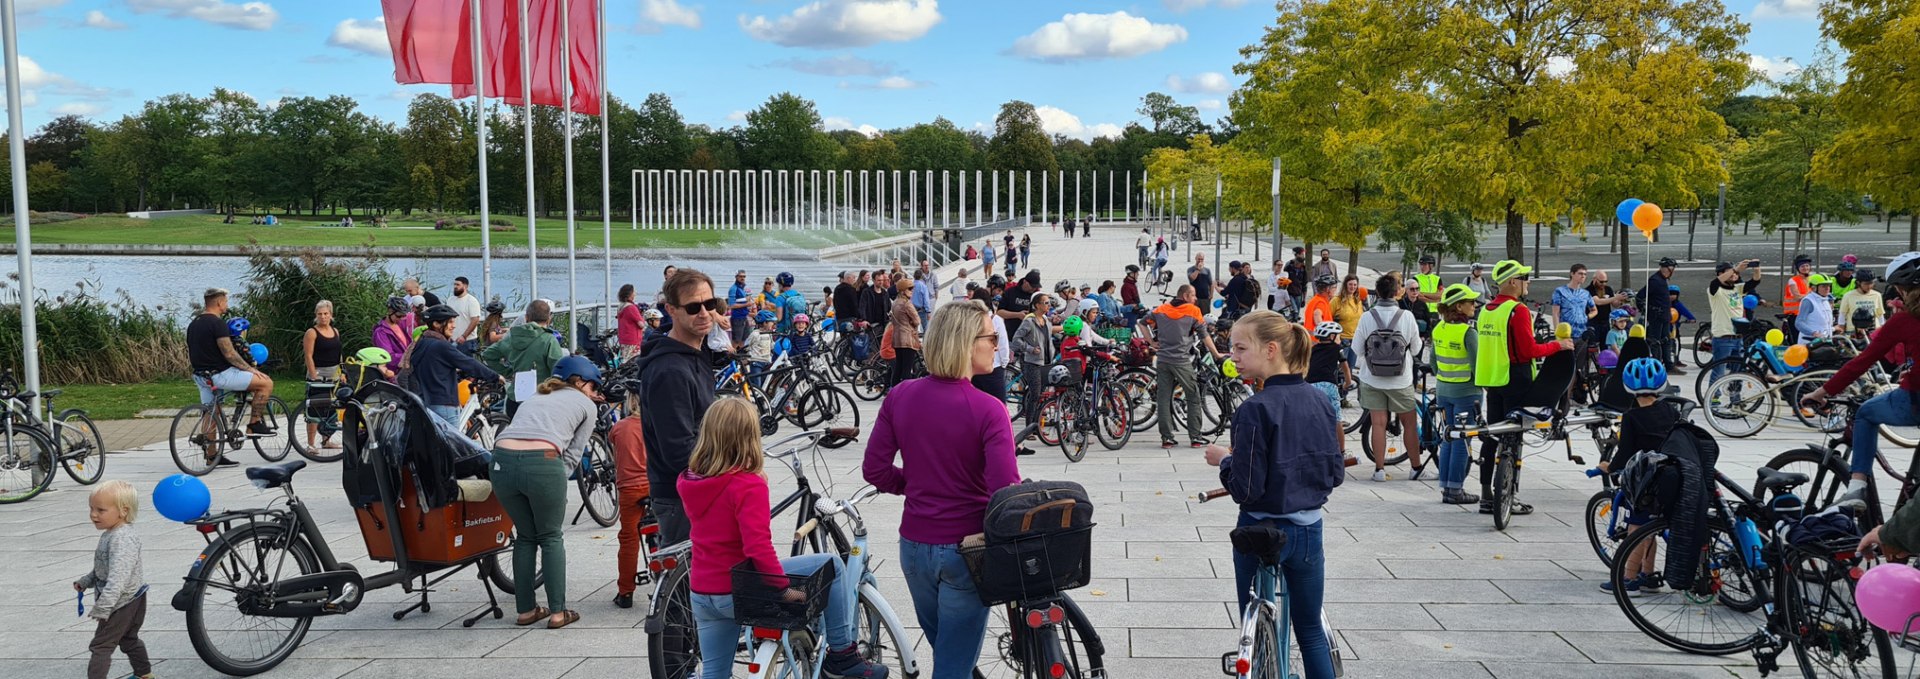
1854	499
1633	587
260	429
623	600
846	663
1419	474
225	461
1168	443
1379	474
1650	583
1199	443
1022	450
1456	496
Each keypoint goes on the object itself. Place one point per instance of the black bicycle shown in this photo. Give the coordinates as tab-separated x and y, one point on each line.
77	443
210	430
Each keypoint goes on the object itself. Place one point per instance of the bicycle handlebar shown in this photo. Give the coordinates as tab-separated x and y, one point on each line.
1512	427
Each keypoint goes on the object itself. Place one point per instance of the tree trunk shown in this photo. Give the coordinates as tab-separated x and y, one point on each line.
1516	234
1626	260
1693	217
1913	230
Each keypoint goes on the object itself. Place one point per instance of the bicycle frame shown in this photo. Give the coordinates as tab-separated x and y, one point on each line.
769	642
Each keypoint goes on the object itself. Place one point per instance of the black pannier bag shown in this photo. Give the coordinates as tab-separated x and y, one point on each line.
1039	541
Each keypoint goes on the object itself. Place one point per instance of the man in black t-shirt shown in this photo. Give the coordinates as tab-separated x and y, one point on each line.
1201	278
217	364
1017	301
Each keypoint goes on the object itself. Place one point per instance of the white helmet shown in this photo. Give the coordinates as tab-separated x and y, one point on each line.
1087	305
1328	330
1904	270
651	313
1059	374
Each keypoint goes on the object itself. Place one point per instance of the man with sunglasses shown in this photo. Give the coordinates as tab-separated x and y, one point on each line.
1504	362
676	388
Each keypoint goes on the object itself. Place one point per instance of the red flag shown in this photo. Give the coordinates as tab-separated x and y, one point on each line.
431	40
500	21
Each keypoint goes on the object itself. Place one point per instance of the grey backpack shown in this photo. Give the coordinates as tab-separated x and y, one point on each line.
1385	348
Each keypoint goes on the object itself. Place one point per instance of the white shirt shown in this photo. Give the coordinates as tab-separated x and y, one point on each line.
959	288
468	306
1144	240
1002	352
1385	312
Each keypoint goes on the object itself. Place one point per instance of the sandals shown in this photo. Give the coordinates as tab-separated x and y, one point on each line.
531	617
567	617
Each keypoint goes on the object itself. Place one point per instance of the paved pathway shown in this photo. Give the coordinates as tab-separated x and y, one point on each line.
1415	587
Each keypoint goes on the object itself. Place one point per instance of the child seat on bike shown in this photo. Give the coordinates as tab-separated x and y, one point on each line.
1039	541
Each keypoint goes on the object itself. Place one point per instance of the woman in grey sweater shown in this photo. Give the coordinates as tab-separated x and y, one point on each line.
531	481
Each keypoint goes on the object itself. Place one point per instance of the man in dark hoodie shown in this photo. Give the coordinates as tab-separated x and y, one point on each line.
676	387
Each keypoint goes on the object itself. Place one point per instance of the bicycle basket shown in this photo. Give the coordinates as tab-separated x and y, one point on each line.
1028	567
759	601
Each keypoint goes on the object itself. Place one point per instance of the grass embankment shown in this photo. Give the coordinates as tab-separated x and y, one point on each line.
401	232
122	401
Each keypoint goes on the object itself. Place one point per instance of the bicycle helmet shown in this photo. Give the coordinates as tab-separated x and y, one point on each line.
1866	277
1059	374
1817	280
1508	270
1607	359
1429	259
1620	315
801	318
495	307
1073	326
236	326
1458	292
784	279
441	312
416	301
1326	281
1846	266
1849	258
397	305
1327	330
1904	269
577	366
1062	286
1802	259
1088	304
1133	268
997	281
373	356
1667	262
655	313
763	317
1644	376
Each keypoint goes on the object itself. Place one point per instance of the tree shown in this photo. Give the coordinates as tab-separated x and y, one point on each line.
1019	144
437	140
1774	178
161	152
785	133
59	142
46	185
234	158
660	136
1169	116
1878	151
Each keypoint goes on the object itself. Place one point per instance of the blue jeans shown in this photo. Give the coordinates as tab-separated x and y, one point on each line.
1453	452
720	635
1346	351
1895	408
1303	565
947	606
447	414
1722	348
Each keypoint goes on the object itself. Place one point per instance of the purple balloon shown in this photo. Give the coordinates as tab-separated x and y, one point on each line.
1607	359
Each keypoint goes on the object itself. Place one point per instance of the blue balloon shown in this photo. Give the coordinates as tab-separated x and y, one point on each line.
1625	211
259	352
1750	301
182	498
1219	303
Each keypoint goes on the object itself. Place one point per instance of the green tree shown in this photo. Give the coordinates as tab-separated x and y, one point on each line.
161	150
660	135
437	138
1774	178
233	154
1169	116
1878	151
785	133
1020	144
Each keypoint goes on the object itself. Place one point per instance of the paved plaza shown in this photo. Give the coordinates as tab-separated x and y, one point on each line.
1415	588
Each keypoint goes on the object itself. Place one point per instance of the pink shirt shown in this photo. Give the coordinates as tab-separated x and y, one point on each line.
955	449
730	519
630	326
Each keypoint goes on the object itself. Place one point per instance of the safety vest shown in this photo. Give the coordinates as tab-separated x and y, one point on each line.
1492	361
1429	284
1840	291
1450	352
1796	288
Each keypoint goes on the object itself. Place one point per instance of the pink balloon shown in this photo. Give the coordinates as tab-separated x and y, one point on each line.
1889	596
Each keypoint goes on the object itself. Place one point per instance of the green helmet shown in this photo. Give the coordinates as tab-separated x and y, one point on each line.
1458	292
1815	280
373	356
1074	325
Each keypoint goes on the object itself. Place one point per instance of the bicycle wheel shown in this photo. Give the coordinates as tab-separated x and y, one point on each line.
1704	619
500	570
83	453
1606	525
1739	404
274	448
238	572
1837	642
1266	653
1050	416
876	636
1227	399
1137	385
200	450
1080	642
26	464
673	642
1827	478
1076	426
1703	346
827	407
1396	453
596	482
325	430
1800	387
870	383
1504	486
1110	423
1729	364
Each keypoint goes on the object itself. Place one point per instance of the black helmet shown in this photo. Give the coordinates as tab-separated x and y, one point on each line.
1428	259
441	312
1802	259
997	281
398	305
495	307
1668	261
1326	281
1133	268
784	279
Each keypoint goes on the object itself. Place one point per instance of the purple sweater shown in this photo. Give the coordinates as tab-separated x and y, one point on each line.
955	447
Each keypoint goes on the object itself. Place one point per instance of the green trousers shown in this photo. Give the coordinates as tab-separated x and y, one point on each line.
532	487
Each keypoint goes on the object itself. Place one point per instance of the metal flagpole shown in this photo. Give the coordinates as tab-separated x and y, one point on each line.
1188	227
22	233
1076	193
1219	237
566	111
1028	196
526	112
480	125
606	169
1276	209
1129	216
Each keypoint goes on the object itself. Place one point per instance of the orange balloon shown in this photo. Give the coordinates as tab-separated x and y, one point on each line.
1796	356
1676	314
1648	217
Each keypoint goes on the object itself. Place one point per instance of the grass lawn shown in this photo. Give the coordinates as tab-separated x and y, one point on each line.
122	401
207	230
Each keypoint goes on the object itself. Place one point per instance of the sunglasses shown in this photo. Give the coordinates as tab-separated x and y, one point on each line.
710	304
989	336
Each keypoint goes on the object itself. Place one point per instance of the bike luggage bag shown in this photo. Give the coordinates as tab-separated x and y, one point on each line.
453	534
319	400
1039	541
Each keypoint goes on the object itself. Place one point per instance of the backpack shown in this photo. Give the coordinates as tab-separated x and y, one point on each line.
1643	479
859	347
1386	348
886	344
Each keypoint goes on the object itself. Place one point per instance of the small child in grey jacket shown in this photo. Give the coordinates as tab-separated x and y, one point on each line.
120	597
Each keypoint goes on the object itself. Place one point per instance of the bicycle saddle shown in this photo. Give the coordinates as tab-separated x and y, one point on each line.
1525	415
1773	479
275	475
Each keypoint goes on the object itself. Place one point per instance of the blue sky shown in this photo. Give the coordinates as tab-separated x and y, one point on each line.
866	63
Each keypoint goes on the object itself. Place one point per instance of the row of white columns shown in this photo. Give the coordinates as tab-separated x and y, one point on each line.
850	199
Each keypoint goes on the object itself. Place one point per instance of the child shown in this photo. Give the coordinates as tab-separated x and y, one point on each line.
1284	463
1644	428
1815	321
1455	346
630	478
1327	370
726	494
120	596
802	337
1622	321
760	343
1673	295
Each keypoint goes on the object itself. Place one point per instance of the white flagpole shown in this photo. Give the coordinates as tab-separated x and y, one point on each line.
480	120
606	166
526	113
22	238
566	109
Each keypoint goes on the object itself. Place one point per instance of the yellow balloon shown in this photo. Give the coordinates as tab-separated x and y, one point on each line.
1775	337
1796	356
1648	217
1638	330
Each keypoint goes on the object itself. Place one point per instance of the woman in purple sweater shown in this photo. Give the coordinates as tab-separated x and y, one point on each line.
955	448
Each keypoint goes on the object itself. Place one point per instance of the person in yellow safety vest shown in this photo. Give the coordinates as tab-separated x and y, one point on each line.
1429	283
1454	345
1797	288
1504	360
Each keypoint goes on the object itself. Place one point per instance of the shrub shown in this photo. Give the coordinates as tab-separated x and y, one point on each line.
36	218
472	224
281	292
85	339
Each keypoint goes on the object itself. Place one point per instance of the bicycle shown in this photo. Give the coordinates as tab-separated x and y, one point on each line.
78	446
1827	466
26	463
1047	635
1266	635
1427	415
213	429
1509	450
593	472
1088	406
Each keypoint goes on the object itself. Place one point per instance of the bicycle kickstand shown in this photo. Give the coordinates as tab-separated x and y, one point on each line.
493	602
577	513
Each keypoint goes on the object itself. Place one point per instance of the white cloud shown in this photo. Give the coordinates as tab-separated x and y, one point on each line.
894	82
1190	5
1057	121
840	66
1208	105
737	116
1772	68
34	79
1204	83
829	24
658	14
366	36
98	19
1097	36
31	6
252	16
838	123
78	108
1559	66
1787	9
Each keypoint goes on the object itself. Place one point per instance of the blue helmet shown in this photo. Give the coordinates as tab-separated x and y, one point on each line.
1644	376
1673	288
238	325
784	279
576	366
1619	314
764	317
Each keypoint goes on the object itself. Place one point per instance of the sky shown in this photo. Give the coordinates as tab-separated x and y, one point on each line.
867	64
